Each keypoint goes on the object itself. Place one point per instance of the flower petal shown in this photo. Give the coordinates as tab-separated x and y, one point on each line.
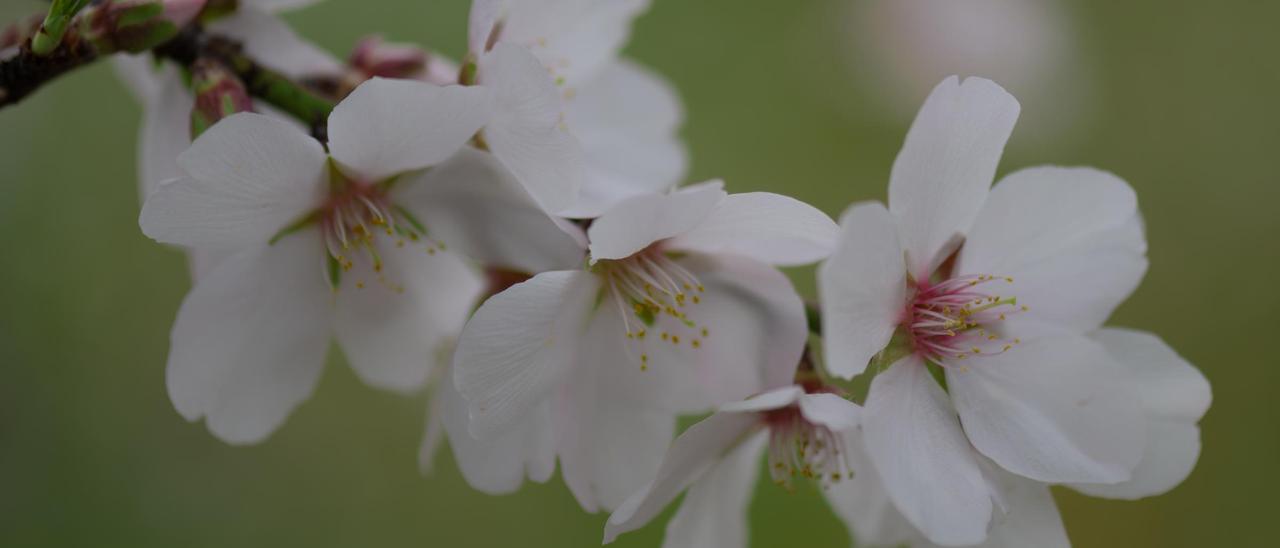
714	512
270	41
637	222
627	119
519	345
472	203
1053	410
1070	239
915	444
691	455
1031	519
768	401
166	130
941	176
386	127
250	339
249	177
499	466
1174	396
767	227
831	411
863	505
863	289
526	131
396	325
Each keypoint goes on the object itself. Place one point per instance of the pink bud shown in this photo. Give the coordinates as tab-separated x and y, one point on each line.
374	57
181	12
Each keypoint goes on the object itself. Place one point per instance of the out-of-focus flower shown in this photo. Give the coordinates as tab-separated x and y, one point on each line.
589	127
717	460
901	48
316	245
679	310
1002	290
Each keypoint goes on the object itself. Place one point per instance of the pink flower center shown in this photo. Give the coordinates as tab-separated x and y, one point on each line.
359	225
957	319
799	448
653	294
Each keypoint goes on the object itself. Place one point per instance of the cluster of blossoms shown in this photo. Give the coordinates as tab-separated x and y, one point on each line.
509	231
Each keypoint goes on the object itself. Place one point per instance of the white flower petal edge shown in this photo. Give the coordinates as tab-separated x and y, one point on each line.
1056	410
768	227
272	42
940	178
249	176
518	345
916	446
636	223
1175	395
714	511
250	339
526	131
862	288
691	454
378	130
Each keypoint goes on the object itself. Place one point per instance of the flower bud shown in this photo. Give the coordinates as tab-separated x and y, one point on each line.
375	57
135	26
218	93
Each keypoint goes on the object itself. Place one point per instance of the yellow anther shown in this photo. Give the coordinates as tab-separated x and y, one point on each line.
675	339
705	333
696	343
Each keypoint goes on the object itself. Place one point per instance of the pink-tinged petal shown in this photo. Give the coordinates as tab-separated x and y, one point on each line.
611	443
920	453
519	346
768	401
863	289
526	131
500	465
941	177
691	455
862	503
250	339
767	227
396	325
1054	410
1070	238
831	411
386	127
635	223
166	130
273	43
714	512
474	205
249	177
628	120
1175	395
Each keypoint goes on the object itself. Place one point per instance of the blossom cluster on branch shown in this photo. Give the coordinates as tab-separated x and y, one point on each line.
510	232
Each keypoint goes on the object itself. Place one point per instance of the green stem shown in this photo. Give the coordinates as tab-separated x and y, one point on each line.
814	315
55	24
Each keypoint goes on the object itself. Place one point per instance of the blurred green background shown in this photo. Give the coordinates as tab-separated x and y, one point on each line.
1179	98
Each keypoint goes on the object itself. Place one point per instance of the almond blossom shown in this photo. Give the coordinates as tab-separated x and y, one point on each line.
347	244
576	124
677	310
1003	290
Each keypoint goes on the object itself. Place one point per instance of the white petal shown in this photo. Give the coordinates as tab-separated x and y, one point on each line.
863	289
572	38
250	176
139	73
396	325
166	130
627	119
434	433
1069	238
1053	409
279	5
273	43
921	455
250	339
611	444
1174	396
526	131
773	399
714	512
864	505
1032	518
830	410
941	176
637	222
474	205
519	345
388	126
499	466
690	456
767	227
